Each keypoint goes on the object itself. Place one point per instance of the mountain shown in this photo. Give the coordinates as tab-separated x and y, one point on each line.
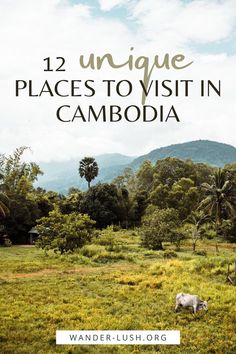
210	152
60	176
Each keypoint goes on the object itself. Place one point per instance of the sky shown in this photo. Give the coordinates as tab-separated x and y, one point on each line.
204	31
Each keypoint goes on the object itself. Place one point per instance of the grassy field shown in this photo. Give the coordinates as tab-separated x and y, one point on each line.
122	286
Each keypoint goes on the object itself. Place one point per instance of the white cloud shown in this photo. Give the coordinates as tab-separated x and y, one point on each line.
107	5
31	31
201	21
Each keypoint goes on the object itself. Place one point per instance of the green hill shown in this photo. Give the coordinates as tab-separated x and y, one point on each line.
60	176
210	152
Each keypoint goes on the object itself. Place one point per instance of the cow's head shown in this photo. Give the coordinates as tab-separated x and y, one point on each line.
203	305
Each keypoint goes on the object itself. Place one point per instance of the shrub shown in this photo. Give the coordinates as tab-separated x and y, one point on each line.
106	238
64	232
159	225
91	250
116	228
109	240
106	257
203	265
229	229
200	253
170	254
218	271
7	242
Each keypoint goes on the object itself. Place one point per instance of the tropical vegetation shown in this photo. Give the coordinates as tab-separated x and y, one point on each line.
115	256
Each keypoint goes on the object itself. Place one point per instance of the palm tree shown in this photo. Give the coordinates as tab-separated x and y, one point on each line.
88	168
197	220
220	198
4	211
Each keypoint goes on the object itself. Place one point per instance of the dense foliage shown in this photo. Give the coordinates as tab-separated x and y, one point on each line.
105	204
159	225
220	198
64	232
168	206
17	178
169	200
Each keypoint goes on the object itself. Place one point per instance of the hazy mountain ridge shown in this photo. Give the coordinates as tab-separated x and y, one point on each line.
60	176
210	152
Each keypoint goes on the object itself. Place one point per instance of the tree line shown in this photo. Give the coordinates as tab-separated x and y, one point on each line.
168	201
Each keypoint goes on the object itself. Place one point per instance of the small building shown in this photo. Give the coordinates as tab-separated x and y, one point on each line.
33	235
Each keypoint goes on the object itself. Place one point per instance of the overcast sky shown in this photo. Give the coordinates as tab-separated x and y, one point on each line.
203	30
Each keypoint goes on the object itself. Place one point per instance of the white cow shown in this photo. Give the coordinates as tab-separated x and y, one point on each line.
187	300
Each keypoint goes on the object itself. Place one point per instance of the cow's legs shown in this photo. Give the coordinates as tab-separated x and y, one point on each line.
176	307
194	309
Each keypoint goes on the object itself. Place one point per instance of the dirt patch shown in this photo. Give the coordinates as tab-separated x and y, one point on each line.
25	246
46	272
81	270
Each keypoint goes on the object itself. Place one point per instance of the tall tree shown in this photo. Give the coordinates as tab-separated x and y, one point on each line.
88	168
18	176
17	184
4	211
145	176
220	198
105	204
4	201
127	180
3	205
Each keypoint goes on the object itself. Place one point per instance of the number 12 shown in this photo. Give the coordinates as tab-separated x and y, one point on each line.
48	67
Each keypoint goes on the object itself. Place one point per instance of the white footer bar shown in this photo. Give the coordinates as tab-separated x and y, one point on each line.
86	337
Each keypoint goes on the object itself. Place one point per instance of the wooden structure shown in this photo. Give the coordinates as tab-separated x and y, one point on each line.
33	235
231	278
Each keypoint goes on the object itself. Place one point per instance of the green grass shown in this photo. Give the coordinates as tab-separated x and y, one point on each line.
127	287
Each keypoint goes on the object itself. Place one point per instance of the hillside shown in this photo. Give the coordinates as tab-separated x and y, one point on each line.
210	152
60	176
